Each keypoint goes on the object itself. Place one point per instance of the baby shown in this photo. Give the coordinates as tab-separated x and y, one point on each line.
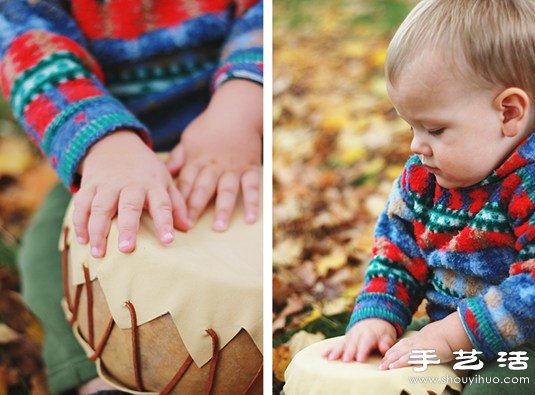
459	226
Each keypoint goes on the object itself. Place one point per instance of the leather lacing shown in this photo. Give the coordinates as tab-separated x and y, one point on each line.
136	361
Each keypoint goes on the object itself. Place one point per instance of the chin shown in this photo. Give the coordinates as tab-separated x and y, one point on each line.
451	184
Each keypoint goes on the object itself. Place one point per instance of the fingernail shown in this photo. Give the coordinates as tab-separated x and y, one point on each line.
220	224
95	251
359	358
168	237
125	244
250	217
81	240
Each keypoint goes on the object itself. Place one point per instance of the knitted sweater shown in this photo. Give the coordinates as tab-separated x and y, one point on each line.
466	249
75	71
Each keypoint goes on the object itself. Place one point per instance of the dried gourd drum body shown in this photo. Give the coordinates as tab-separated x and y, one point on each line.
184	318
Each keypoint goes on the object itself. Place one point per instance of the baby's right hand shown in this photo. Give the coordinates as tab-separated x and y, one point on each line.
364	337
120	174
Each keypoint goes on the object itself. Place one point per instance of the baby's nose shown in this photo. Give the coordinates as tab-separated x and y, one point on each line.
420	147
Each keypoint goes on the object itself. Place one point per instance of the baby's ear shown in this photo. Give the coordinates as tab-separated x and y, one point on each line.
514	106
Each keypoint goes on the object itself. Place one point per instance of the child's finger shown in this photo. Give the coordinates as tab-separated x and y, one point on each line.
130	207
326	353
176	160
161	211
180	211
385	344
250	184
400	362
202	192
103	209
186	179
365	346
350	350
336	353
389	358
80	216
227	192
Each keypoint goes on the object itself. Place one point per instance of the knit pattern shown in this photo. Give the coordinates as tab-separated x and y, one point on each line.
77	71
466	249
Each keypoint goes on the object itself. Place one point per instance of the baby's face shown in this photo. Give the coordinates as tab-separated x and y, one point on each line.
456	129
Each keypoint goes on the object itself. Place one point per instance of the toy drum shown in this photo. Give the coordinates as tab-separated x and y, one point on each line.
183	318
311	374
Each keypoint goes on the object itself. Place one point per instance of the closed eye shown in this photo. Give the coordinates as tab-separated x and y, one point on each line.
436	132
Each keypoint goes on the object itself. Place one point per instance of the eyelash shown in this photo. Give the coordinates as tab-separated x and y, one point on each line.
436	132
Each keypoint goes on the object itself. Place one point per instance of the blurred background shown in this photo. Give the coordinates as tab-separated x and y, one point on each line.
338	146
25	178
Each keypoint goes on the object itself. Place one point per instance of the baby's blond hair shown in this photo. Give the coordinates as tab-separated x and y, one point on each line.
496	39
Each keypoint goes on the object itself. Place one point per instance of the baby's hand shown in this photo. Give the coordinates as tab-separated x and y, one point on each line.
221	151
364	337
426	339
444	336
120	174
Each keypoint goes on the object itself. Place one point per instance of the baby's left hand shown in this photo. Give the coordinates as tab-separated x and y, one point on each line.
221	151
426	339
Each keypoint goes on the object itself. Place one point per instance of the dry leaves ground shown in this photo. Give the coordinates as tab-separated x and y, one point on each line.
338	146
25	178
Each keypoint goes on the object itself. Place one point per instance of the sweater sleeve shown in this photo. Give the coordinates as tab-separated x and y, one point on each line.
242	53
503	317
55	86
397	276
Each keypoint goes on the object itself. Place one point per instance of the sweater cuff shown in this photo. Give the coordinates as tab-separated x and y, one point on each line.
246	64
480	328
96	118
383	306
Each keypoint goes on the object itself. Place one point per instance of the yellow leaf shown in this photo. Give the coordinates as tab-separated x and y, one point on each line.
334	260
378	57
352	155
334	306
287	252
393	172
352	291
354	49
313	316
360	124
281	360
335	120
375	165
15	156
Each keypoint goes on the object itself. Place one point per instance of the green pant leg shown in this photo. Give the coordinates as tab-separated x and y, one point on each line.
41	278
491	371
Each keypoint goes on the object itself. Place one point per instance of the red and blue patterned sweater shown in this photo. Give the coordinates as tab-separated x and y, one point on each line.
75	71
466	249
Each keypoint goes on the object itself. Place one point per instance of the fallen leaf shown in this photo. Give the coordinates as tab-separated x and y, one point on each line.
294	305
281	360
334	306
7	335
334	260
303	339
287	252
